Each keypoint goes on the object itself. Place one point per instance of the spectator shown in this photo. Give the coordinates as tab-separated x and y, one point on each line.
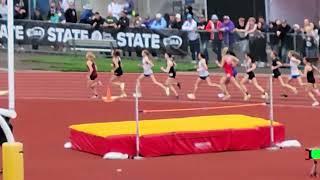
3	9
123	24
111	21
137	21
129	7
71	14
286	41
158	23
242	38
263	24
115	8
97	21
37	15
251	27
87	14
214	26
147	22
124	21
167	19
306	24
54	15
177	24
202	23
190	25
188	10
299	38
311	50
228	29
205	36
19	12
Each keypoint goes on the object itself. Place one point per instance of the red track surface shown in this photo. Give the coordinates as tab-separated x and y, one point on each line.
47	103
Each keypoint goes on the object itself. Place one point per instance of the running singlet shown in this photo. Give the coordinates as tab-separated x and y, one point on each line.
203	72
250	74
118	71
147	68
172	72
94	73
228	69
276	72
294	69
310	77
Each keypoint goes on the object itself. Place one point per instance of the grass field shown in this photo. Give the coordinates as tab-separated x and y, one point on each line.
69	63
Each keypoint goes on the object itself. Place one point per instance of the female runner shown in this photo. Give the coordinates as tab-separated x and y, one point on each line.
276	65
311	86
171	70
203	73
117	72
229	63
92	76
147	65
251	66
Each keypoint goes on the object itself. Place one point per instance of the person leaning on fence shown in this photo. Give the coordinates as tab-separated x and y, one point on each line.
97	21
158	23
241	38
71	14
228	30
205	36
190	25
86	15
214	27
124	23
310	43
111	21
285	38
177	23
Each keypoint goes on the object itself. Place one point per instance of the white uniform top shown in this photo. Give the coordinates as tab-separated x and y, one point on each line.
147	68
294	68
203	72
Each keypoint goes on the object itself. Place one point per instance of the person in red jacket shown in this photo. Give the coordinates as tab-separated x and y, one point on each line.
214	26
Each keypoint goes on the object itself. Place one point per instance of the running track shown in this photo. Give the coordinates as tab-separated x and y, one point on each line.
47	103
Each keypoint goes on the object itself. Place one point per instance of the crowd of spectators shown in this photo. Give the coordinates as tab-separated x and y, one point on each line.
244	35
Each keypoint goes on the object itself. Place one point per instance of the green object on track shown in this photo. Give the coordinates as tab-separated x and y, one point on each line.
313	153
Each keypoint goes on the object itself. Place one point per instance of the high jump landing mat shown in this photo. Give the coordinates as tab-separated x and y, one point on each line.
179	136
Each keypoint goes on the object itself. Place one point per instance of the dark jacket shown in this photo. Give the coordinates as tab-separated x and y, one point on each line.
71	15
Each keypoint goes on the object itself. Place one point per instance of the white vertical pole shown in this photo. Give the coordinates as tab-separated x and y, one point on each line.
11	82
206	9
137	124
29	9
148	8
271	113
267	9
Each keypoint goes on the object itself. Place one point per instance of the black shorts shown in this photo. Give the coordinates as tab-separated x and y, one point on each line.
172	75
93	76
118	72
147	75
311	80
251	75
276	73
203	77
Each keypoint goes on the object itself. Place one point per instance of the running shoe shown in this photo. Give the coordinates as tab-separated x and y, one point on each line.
315	104
221	95
137	95
191	96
